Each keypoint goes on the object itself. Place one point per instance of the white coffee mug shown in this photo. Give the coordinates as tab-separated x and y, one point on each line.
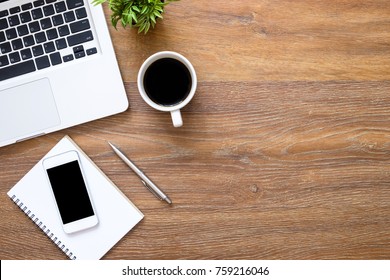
174	109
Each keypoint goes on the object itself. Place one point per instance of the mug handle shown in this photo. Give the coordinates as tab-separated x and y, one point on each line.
176	118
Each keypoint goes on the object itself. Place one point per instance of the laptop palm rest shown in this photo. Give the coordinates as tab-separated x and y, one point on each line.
26	109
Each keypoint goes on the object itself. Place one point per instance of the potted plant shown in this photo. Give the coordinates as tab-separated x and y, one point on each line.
141	14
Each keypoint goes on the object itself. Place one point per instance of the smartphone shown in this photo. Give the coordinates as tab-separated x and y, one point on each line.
70	191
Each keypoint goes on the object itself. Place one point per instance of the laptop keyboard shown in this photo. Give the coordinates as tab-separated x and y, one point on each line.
42	34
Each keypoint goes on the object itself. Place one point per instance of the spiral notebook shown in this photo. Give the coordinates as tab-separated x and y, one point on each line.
116	213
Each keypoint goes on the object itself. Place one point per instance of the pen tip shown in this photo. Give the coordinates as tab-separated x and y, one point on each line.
112	145
168	200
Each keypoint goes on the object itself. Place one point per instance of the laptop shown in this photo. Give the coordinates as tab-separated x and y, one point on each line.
57	67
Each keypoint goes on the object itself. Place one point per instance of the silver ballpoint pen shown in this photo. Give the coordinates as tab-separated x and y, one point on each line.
144	179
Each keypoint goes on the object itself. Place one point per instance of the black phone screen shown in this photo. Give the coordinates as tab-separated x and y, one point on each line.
70	192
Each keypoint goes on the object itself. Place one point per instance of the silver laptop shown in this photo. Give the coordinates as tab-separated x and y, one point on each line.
57	67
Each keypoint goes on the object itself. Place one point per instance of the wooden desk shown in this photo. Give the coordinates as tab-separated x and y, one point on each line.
285	149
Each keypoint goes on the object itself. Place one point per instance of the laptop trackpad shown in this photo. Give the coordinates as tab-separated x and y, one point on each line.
27	109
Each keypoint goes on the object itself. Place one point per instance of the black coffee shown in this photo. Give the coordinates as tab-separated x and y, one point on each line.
167	81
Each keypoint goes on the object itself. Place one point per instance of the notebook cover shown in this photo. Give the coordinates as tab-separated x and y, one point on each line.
116	213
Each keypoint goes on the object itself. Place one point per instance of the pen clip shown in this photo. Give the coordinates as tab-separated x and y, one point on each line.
151	190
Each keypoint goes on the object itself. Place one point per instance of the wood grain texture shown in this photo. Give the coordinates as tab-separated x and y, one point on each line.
285	149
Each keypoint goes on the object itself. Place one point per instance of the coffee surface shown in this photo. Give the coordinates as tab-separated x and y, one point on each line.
167	81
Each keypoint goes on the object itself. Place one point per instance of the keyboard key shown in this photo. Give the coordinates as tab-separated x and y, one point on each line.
60	7
52	34
49	47
68	58
34	26
3	23
3	13
14	57
37	13
5	47
81	13
37	50
57	20
78	49
80	38
74	3
17	44
79	54
4	60
55	58
14	10
25	17
79	26
27	6
39	3
42	62
11	34
13	20
46	23
50	1
2	36
17	70
26	54
61	44
63	30
40	37
69	16
22	30
48	10
28	41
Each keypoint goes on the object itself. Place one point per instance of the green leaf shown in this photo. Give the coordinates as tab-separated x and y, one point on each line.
135	8
114	21
98	2
133	15
153	18
141	28
147	27
157	14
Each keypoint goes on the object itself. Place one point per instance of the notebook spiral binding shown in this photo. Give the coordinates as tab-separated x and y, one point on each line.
42	227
